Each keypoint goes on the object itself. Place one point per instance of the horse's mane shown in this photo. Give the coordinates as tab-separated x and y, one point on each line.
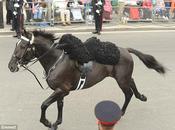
44	34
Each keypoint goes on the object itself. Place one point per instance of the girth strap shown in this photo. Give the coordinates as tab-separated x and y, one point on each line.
81	83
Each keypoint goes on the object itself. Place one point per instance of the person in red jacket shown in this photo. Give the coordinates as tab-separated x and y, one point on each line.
147	9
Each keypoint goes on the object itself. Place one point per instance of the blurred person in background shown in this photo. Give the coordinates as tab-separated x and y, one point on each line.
147	9
28	8
18	18
121	5
98	15
61	6
173	9
76	8
160	9
167	8
9	5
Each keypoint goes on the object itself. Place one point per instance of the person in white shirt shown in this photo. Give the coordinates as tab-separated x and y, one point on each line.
121	5
64	12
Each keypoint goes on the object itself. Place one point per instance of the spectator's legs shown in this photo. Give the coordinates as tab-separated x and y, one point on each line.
8	17
18	30
96	21
121	6
100	21
147	14
49	12
67	13
29	14
62	17
13	22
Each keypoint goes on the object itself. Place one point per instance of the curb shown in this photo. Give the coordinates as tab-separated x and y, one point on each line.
90	29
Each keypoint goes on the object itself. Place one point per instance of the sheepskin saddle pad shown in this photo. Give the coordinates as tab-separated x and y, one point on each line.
91	50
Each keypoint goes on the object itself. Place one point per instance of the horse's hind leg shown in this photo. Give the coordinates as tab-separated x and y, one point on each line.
128	95
123	80
123	72
136	93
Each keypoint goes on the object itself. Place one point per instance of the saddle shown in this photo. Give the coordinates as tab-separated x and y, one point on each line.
103	52
91	50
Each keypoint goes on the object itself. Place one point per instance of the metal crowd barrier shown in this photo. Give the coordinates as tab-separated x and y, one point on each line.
37	13
46	14
154	14
49	13
143	14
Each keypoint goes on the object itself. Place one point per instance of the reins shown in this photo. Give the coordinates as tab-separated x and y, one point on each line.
26	68
36	60
52	68
54	65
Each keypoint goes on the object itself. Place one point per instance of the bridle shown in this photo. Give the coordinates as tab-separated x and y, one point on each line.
30	47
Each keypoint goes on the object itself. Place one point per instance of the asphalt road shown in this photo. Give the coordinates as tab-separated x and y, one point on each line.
21	96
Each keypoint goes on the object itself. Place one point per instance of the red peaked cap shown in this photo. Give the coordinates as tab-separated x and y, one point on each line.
107	112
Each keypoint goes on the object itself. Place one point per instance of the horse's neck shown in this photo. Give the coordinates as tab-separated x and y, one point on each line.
50	58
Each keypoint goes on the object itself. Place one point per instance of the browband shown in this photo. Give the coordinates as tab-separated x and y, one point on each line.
25	39
28	40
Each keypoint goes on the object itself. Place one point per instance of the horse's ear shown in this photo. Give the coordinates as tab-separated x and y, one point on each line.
24	32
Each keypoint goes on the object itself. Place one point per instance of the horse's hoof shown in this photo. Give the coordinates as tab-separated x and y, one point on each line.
46	123
143	98
54	127
123	113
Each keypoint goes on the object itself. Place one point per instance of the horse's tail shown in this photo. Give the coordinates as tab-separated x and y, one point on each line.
149	61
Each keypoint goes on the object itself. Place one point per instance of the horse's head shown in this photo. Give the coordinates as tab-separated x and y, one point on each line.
24	52
32	44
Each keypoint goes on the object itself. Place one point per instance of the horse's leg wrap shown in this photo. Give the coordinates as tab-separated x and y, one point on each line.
51	99
136	92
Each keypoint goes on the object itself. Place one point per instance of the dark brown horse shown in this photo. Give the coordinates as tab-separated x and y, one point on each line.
63	74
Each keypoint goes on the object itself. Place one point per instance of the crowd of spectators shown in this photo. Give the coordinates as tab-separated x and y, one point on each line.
149	9
65	11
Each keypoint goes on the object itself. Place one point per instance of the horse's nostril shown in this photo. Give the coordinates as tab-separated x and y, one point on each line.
11	69
16	69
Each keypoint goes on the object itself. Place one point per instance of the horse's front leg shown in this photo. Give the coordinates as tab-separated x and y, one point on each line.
60	113
51	99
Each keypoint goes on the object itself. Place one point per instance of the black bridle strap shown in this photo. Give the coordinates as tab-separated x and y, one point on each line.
36	60
33	75
27	67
